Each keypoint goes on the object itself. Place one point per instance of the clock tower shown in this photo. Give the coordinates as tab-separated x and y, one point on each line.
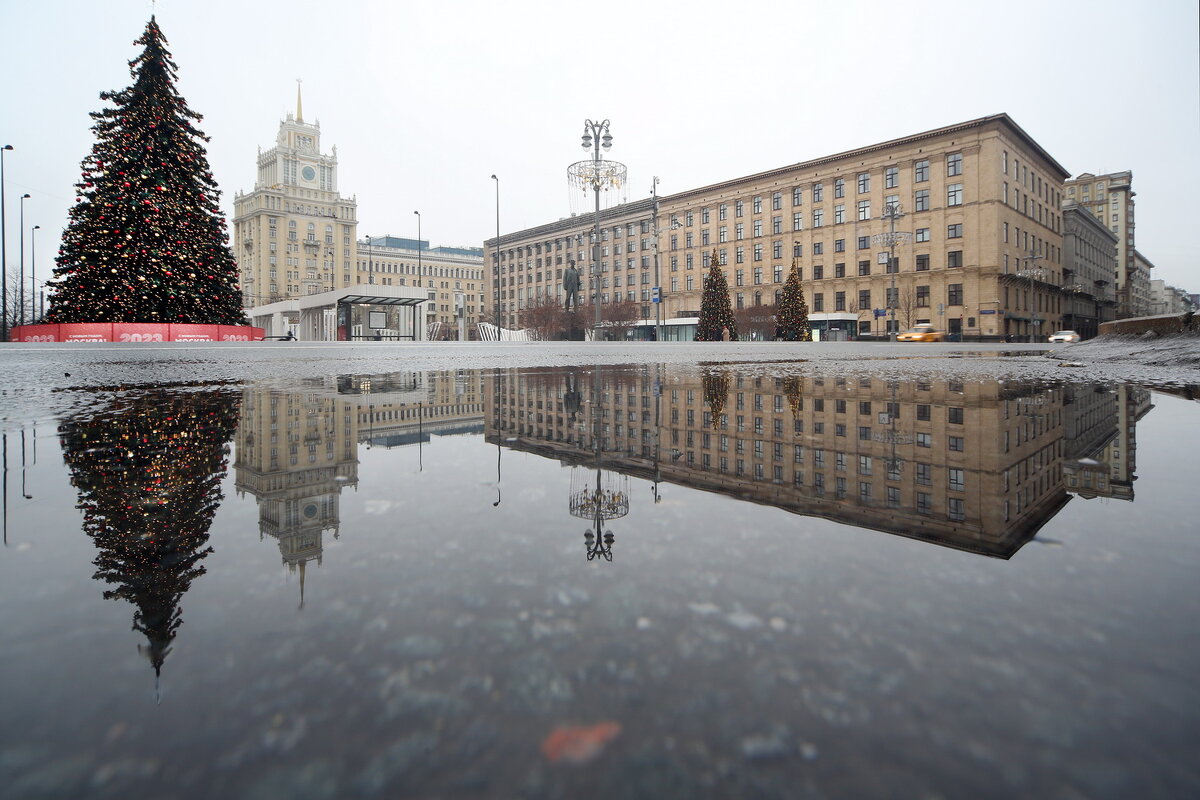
294	234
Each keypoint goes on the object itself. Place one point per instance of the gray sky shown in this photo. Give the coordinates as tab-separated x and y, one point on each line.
425	103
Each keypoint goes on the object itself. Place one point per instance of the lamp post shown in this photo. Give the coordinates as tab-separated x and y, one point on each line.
3	253
21	263
496	272
33	294
892	212
1031	273
370	266
596	174
418	213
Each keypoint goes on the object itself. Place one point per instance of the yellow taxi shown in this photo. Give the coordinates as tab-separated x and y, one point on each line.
921	333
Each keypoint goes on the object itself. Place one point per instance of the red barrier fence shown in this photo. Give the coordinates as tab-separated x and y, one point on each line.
134	332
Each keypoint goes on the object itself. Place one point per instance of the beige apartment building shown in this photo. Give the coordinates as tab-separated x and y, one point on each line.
1110	198
976	467
1089	271
295	236
981	201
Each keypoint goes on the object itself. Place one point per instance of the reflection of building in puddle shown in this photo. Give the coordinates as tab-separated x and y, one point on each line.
296	451
405	408
973	466
1101	423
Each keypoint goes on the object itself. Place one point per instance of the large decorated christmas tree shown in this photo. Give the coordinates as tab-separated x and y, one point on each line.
716	312
146	240
792	311
148	469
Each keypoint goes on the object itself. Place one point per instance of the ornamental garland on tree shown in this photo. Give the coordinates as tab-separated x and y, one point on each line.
146	240
148	469
716	312
792	311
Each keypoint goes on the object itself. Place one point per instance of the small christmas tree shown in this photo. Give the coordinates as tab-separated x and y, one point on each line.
793	311
716	312
716	390
146	240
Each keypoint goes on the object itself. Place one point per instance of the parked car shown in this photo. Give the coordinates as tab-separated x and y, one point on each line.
921	333
1064	336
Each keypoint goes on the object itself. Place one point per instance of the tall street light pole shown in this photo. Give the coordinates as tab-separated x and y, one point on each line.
496	268
596	136
657	299
3	253
1031	273
33	295
370	265
21	262
418	213
892	212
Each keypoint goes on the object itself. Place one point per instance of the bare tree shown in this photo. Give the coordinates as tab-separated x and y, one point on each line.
545	316
620	317
906	307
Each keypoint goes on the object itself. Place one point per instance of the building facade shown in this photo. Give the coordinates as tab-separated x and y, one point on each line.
296	236
1089	271
1110	198
981	200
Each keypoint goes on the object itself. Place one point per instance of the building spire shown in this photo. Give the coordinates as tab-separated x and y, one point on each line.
299	105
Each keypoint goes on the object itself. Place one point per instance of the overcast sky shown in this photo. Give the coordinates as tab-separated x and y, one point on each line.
425	102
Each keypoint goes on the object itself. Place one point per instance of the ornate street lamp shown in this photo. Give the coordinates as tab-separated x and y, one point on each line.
1032	273
891	212
596	174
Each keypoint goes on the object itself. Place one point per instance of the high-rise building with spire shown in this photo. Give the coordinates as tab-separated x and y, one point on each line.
294	234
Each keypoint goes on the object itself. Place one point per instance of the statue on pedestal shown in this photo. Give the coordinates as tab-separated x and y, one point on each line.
571	286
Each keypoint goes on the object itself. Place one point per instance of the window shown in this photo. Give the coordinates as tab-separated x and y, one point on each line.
956	508
758	252
923	296
738	208
704	216
758	227
954	164
864	267
954	294
924	503
839	214
839	188
757	204
723	211
921	200
864	210
797	196
921	171
864	299
891	177
954	231
954	415
818	248
864	182
777	225
924	440
818	272
864	242
839	301
923	412
922	234
839	246
818	302
798	221
954	194
922	262
818	218
777	201
955	443
924	474
739	231
954	258
777	250
818	192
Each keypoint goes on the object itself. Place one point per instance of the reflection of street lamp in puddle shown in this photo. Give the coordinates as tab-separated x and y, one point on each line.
607	498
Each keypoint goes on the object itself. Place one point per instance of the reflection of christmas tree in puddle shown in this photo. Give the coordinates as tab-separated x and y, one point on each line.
148	469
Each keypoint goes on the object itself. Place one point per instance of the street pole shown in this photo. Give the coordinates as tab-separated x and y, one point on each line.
657	285
1031	273
3	254
891	212
33	296
595	136
496	274
21	261
418	213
